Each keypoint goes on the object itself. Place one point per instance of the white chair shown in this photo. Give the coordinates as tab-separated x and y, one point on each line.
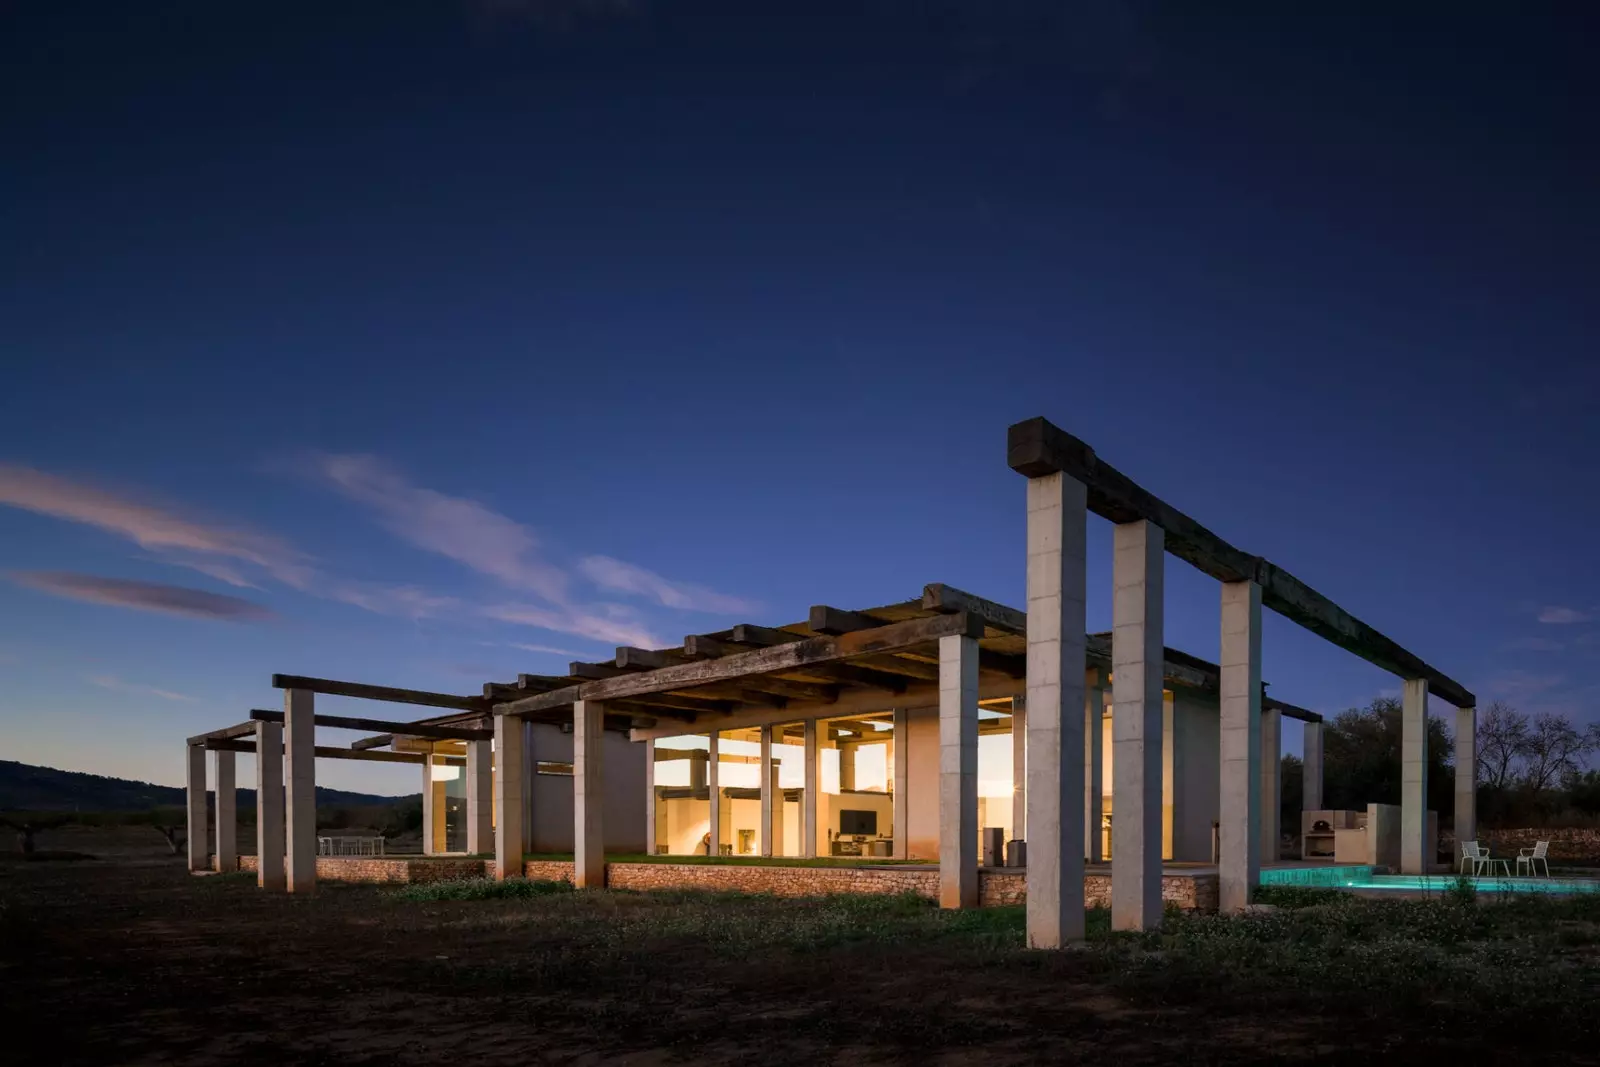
1531	857
1475	854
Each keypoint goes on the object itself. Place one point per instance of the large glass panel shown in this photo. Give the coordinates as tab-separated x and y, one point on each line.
788	804
739	782
996	777
455	804
683	796
855	812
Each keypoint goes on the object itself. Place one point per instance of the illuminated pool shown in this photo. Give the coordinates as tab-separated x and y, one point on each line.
1363	878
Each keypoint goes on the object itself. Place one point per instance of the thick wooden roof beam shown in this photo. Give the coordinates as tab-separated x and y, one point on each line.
790	656
947	599
1038	447
380	741
1289	710
849	673
227	733
333	752
379	692
406	729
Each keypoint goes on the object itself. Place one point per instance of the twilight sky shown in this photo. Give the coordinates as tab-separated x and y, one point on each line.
466	339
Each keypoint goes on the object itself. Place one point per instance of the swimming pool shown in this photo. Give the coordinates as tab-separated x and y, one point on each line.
1364	878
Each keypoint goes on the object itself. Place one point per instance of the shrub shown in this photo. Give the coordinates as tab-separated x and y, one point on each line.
480	889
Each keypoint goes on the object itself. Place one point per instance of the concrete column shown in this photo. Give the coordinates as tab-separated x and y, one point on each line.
902	780
227	851
1057	516
480	797
808	832
714	785
1239	806
430	809
269	806
650	797
1414	858
1137	656
1311	762
1271	793
588	795
1466	821
1019	768
847	764
197	837
300	789
768	791
958	772
510	771
1094	764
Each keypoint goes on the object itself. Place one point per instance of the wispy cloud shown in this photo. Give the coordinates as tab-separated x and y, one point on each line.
117	685
454	527
620	577
149	526
1534	644
143	596
611	629
1558	615
404	601
547	650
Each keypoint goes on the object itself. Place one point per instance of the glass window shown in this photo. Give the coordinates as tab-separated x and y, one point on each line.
855	811
683	795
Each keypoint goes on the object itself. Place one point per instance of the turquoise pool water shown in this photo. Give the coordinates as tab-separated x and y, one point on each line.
1358	877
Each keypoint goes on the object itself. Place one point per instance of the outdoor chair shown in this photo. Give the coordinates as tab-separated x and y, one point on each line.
1475	854
1532	857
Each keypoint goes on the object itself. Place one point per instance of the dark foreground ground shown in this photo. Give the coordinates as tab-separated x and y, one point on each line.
131	960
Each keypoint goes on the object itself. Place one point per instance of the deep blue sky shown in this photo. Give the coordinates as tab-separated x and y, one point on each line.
404	322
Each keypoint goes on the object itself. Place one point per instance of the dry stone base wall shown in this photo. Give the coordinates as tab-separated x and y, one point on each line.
1566	842
1197	892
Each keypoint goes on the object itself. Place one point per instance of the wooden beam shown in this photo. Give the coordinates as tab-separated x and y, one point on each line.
826	620
947	599
405	729
1289	710
778	658
646	659
848	673
227	733
334	752
380	741
379	692
1037	447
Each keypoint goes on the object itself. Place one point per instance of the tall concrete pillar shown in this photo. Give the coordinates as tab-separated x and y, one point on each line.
847	765
650	797
1057	517
808	831
1466	820
1019	768
227	850
769	790
480	797
300	789
958	772
197	834
1094	763
1414	858
714	784
510	771
1271	793
588	794
1239	808
902	782
1136	685
269	806
1311	764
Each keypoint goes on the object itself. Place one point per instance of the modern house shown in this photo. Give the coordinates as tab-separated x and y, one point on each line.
943	729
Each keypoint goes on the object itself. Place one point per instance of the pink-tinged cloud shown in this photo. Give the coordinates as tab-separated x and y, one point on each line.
1557	615
117	685
143	596
620	577
404	601
454	527
547	650
614	629
152	527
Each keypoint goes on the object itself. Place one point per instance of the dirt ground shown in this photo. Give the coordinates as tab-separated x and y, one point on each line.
129	959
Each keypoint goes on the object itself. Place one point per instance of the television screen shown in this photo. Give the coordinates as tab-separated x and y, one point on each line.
858	822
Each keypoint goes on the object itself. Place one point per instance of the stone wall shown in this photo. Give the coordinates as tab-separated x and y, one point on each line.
1197	892
387	870
1567	843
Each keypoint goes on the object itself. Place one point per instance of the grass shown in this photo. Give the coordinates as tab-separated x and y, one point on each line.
739	861
478	889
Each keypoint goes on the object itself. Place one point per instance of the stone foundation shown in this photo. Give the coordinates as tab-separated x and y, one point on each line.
1190	892
1567	843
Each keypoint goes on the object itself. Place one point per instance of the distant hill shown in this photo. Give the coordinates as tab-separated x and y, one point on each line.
24	787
